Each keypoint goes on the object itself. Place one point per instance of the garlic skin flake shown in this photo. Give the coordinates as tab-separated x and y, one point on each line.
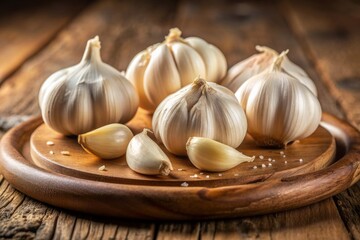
201	109
87	96
107	142
166	67
209	155
257	63
278	107
144	156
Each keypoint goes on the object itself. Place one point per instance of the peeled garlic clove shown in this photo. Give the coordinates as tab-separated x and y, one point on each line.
279	108
144	156
107	142
209	155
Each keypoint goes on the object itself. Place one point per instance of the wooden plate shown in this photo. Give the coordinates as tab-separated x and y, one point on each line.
74	182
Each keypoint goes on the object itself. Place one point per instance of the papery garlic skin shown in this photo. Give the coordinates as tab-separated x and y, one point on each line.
166	67
87	96
209	155
107	142
144	156
279	108
257	63
201	109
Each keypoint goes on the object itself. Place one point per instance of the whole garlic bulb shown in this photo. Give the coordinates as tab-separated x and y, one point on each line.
88	95
279	108
201	109
260	62
166	67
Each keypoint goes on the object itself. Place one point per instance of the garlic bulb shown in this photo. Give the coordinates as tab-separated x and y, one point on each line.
86	96
202	109
166	67
107	142
278	107
144	156
209	155
260	62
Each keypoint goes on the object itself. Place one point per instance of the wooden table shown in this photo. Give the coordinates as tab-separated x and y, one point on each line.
39	37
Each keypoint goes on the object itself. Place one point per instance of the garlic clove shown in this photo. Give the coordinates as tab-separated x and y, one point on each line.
144	156
188	62
135	72
211	56
209	155
107	142
161	64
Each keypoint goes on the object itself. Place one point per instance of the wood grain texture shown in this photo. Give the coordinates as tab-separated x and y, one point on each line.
138	200
316	152
25	28
240	21
330	41
304	223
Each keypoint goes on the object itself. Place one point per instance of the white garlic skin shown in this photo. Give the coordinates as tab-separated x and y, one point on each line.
144	156
257	63
107	142
86	96
278	107
209	155
166	67
201	109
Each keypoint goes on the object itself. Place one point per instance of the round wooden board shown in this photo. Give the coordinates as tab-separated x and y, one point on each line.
74	182
303	156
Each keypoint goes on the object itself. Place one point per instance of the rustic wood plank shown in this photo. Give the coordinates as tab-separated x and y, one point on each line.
7	194
109	231
348	203
136	230
15	218
330	41
189	231
26	28
310	222
64	226
87	229
47	227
